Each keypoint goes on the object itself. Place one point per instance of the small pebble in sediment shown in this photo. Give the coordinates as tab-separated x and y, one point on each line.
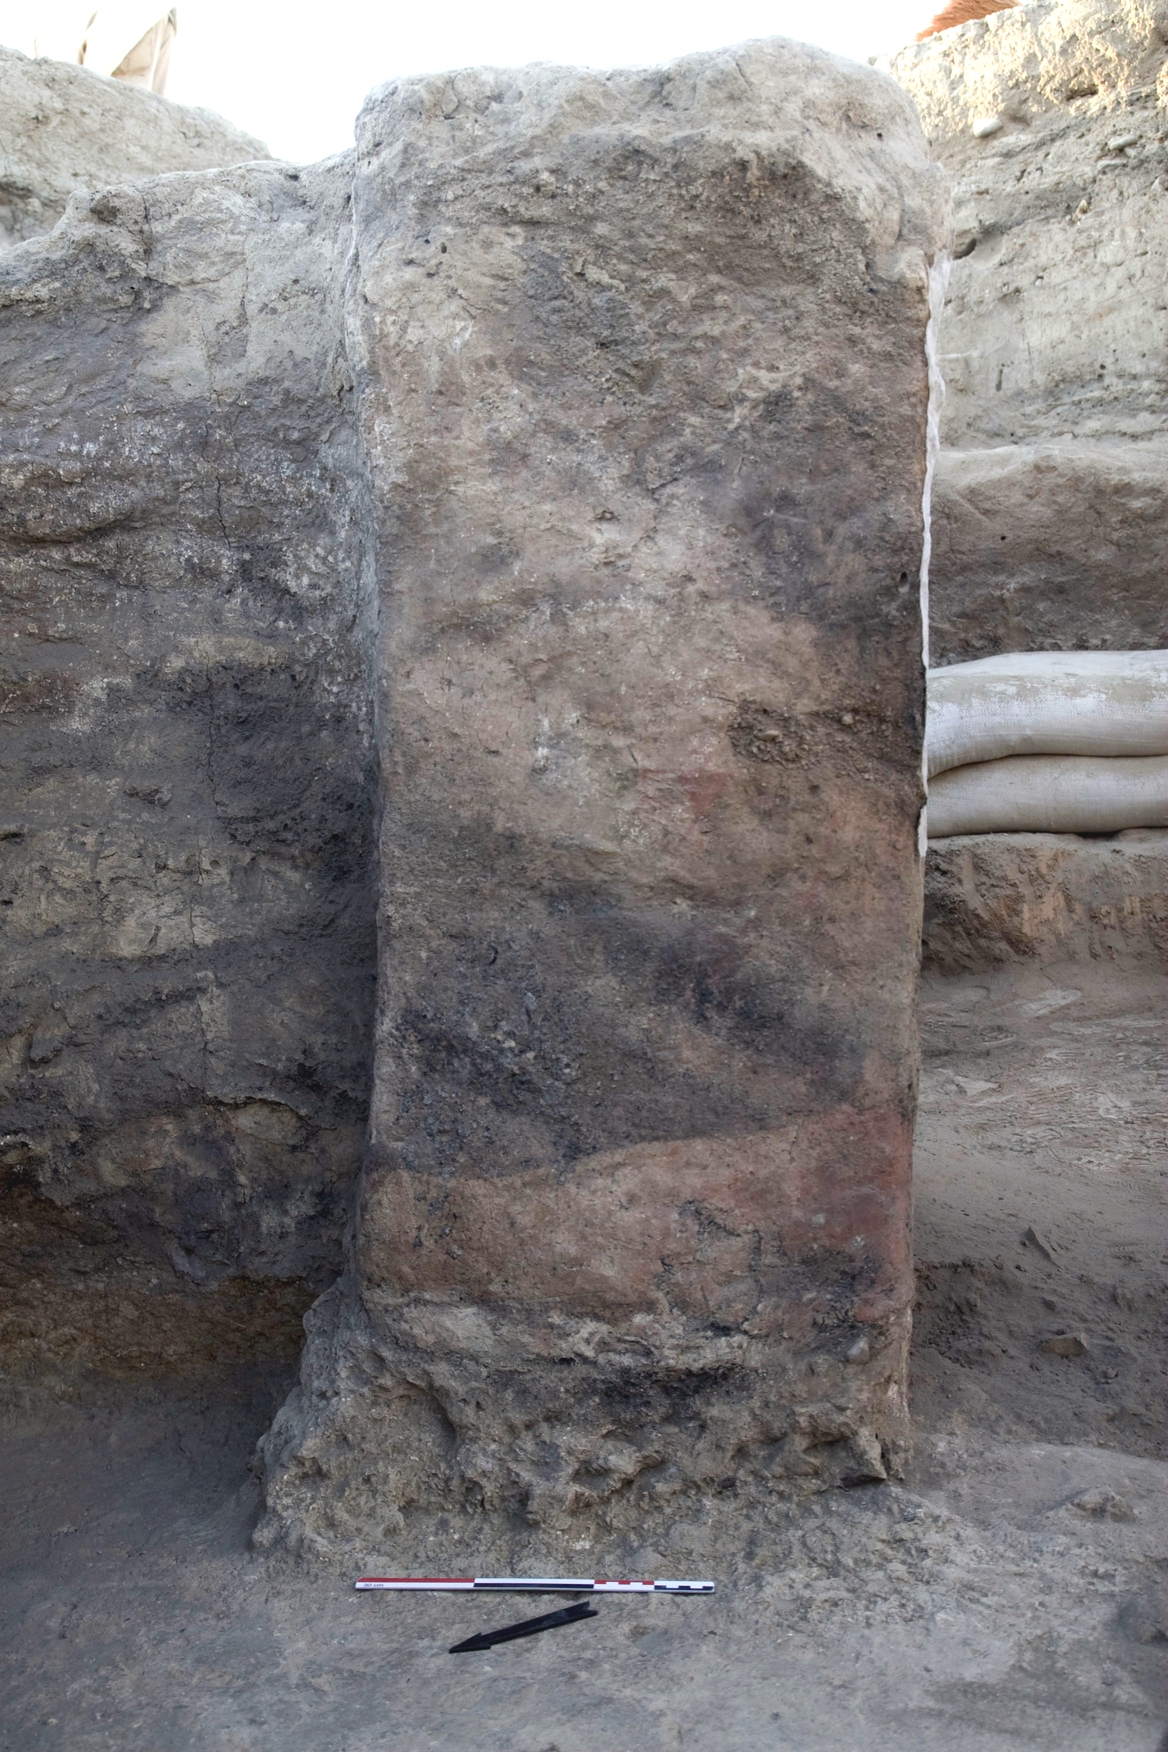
1107	1504
1067	1344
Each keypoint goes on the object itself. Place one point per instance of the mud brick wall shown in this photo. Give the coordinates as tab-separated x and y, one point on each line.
644	393
1051	499
187	854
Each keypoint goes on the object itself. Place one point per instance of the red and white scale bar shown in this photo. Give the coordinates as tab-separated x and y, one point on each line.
520	1584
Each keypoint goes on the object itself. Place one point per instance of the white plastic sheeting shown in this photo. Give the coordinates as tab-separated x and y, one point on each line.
1048	742
1050	794
100	34
1048	702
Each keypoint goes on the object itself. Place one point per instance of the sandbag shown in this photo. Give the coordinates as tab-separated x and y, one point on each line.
1050	794
1101	703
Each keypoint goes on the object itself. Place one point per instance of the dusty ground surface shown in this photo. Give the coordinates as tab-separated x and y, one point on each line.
1002	1598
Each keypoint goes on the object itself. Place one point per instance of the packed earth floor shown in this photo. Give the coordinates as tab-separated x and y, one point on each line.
1002	1597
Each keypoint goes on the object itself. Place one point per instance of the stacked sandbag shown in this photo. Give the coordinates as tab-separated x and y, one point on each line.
1049	742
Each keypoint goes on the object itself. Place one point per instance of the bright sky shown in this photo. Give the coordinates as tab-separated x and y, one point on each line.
295	73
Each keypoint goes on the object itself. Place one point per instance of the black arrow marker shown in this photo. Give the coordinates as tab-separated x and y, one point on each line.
487	1639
